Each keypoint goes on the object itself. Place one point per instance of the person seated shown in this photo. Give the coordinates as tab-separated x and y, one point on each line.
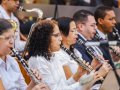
8	65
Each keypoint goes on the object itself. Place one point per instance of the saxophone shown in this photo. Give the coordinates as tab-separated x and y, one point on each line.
37	10
25	65
77	59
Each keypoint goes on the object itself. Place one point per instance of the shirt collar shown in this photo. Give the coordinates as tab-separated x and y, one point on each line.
104	36
82	36
8	62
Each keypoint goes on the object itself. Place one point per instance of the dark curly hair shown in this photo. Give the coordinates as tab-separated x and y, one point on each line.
41	38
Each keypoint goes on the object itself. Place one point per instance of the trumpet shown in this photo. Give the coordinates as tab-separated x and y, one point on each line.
25	65
14	24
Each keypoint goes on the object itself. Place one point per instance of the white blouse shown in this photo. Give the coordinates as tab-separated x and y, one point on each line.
66	59
11	75
53	73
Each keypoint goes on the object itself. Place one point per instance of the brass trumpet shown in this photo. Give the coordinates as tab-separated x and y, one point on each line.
14	24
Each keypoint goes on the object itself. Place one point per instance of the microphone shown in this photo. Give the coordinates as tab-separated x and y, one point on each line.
103	43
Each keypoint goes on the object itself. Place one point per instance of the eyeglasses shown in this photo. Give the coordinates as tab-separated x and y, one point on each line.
56	35
7	38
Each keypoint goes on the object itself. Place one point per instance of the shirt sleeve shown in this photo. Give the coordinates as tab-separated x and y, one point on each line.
21	81
59	84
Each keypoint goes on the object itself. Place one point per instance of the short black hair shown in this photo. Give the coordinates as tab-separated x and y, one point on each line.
4	26
64	25
0	1
100	12
82	16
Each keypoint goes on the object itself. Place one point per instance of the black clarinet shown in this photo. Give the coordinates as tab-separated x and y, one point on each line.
116	33
79	60
98	37
25	65
90	50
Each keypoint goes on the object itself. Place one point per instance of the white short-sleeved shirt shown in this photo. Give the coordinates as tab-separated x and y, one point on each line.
66	59
19	45
53	73
11	75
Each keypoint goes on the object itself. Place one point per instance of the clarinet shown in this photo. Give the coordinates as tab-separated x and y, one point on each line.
25	65
98	37
116	33
77	59
90	50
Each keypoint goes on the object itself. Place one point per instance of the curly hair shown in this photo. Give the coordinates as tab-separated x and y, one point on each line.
41	38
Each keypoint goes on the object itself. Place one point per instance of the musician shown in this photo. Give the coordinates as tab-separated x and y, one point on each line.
105	18
7	7
43	47
11	75
69	37
86	26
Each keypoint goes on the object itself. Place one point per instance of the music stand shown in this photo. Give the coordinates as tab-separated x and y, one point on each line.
110	82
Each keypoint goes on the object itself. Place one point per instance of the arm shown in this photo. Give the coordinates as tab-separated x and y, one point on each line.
67	71
75	76
1	85
53	76
21	81
84	53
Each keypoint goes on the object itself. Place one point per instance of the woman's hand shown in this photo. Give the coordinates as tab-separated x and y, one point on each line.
41	86
95	63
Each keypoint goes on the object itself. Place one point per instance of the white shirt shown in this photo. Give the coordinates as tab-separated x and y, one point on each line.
66	59
53	73
11	75
102	34
19	45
